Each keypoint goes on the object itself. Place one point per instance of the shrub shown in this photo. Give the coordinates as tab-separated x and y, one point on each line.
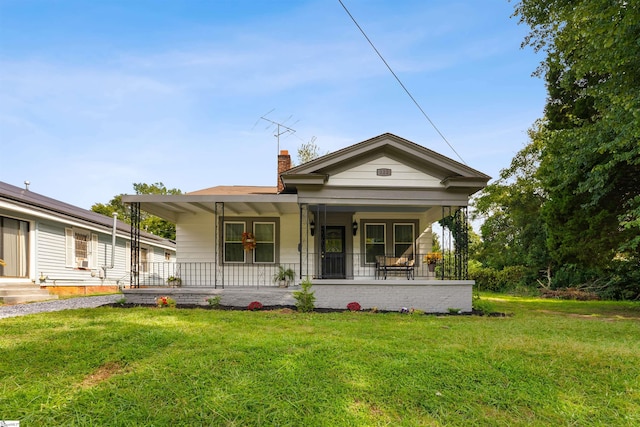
509	278
255	305
482	306
305	299
165	301
354	306
214	301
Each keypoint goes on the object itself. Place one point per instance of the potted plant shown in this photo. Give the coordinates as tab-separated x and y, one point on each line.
283	276
174	281
432	258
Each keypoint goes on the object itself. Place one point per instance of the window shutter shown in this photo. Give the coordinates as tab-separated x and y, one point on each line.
70	260
93	256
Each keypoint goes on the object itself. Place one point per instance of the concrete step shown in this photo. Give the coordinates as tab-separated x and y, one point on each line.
12	293
19	299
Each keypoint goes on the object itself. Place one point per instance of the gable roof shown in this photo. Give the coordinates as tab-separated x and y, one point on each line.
44	204
450	172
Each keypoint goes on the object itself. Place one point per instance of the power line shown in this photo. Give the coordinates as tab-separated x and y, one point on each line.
400	82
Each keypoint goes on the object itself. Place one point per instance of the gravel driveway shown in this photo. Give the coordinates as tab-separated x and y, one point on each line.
57	305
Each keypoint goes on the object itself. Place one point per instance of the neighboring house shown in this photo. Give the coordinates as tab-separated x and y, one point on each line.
55	246
357	222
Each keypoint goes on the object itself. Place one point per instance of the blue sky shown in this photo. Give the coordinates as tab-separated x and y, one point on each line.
96	95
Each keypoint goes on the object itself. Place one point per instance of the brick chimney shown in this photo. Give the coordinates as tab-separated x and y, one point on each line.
284	164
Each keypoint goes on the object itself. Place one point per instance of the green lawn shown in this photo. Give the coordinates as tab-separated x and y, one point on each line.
550	363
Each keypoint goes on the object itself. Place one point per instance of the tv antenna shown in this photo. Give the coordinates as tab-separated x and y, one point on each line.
279	128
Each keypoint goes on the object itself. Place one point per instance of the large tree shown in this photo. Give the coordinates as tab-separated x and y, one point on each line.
149	223
513	232
590	158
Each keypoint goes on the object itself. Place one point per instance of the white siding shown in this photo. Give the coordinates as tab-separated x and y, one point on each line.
289	237
195	238
401	175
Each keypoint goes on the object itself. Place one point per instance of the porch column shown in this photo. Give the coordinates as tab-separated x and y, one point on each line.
456	261
218	251
134	278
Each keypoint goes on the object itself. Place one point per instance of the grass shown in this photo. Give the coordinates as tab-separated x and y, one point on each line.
550	363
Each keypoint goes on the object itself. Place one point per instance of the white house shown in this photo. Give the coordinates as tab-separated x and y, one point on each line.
51	247
356	222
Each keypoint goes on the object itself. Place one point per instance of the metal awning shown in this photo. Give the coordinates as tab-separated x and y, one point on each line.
169	207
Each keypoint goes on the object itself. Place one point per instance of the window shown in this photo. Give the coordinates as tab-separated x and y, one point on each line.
265	232
403	237
14	247
388	237
81	248
374	241
233	250
265	251
144	260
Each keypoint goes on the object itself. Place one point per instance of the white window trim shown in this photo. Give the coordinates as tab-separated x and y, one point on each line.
70	249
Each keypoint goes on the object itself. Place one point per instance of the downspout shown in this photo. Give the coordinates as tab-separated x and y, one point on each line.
113	245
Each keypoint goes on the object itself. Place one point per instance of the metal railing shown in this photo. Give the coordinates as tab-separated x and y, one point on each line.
329	266
211	274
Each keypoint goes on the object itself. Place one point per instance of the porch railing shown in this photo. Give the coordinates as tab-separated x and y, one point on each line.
318	266
211	274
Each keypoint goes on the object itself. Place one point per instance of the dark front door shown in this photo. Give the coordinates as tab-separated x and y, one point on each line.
333	256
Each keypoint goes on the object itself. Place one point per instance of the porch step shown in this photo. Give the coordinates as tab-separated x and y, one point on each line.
16	293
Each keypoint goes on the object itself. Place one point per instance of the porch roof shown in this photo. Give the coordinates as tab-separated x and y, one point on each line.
170	207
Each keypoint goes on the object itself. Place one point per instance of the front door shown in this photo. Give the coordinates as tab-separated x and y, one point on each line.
332	251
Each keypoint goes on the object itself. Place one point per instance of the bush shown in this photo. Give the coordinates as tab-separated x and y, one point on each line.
164	301
255	305
305	299
623	281
483	306
505	280
214	301
354	306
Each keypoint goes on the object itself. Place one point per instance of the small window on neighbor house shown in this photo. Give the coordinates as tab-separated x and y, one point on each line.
233	250
403	237
265	251
374	241
81	249
144	260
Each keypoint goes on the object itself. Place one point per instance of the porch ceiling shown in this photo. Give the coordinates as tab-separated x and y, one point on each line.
171	207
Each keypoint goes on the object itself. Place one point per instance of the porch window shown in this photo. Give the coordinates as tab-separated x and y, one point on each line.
374	241
265	231
14	247
233	250
265	250
81	249
403	237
